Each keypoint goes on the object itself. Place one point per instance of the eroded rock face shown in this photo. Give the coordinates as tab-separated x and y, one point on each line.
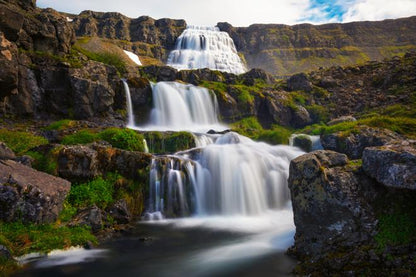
354	143
392	165
87	162
30	195
331	204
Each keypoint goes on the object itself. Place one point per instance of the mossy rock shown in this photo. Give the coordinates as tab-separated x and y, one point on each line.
169	142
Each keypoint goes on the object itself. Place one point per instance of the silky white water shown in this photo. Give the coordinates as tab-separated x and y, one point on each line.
181	107
130	114
205	47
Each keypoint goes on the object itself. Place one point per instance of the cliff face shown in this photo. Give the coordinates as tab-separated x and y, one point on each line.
149	36
284	50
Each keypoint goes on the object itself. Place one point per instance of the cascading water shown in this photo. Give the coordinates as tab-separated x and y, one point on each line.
205	47
130	114
233	176
179	107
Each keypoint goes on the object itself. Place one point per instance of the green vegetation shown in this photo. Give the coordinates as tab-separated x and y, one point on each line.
402	125
80	137
103	57
61	125
126	139
98	192
251	128
45	162
21	142
160	143
395	229
22	238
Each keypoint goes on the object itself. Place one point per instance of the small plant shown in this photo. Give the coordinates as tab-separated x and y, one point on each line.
395	229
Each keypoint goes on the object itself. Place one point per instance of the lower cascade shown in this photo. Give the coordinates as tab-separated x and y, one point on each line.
233	176
205	47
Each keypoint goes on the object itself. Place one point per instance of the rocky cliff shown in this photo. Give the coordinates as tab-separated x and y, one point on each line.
284	50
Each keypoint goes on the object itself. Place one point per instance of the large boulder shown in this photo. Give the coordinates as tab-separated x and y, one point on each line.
299	82
353	143
30	195
332	207
392	165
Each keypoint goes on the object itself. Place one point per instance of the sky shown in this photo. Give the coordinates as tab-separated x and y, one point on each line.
245	12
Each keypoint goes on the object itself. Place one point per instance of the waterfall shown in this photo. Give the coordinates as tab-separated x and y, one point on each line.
233	176
205	47
180	107
130	115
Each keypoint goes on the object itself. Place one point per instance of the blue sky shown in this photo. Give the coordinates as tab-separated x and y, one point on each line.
246	12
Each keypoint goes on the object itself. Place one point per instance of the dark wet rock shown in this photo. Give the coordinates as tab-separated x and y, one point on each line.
393	165
119	212
25	160
304	142
347	118
91	216
332	207
78	162
161	73
6	153
8	67
30	195
5	253
300	117
353	143
299	82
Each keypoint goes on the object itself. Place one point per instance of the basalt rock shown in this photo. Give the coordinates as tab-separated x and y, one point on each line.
6	153
333	212
91	216
354	143
393	165
299	82
30	195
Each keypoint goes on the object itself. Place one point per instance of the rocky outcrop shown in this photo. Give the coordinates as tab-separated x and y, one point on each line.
354	142
6	153
299	82
160	34
392	165
285	50
333	212
342	119
87	162
30	195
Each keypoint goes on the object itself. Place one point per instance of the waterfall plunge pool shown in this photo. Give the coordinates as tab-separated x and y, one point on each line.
198	246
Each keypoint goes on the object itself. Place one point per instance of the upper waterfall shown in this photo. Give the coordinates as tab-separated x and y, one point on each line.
205	47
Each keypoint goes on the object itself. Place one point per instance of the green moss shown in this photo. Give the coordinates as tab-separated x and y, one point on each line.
126	139
161	143
277	135
26	238
248	126
80	137
21	142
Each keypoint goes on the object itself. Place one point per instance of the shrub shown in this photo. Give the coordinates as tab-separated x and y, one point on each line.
80	137
126	139
21	142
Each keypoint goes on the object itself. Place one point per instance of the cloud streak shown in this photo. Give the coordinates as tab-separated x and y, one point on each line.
245	12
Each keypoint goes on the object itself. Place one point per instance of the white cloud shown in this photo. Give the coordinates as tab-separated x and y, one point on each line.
242	12
379	9
196	12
